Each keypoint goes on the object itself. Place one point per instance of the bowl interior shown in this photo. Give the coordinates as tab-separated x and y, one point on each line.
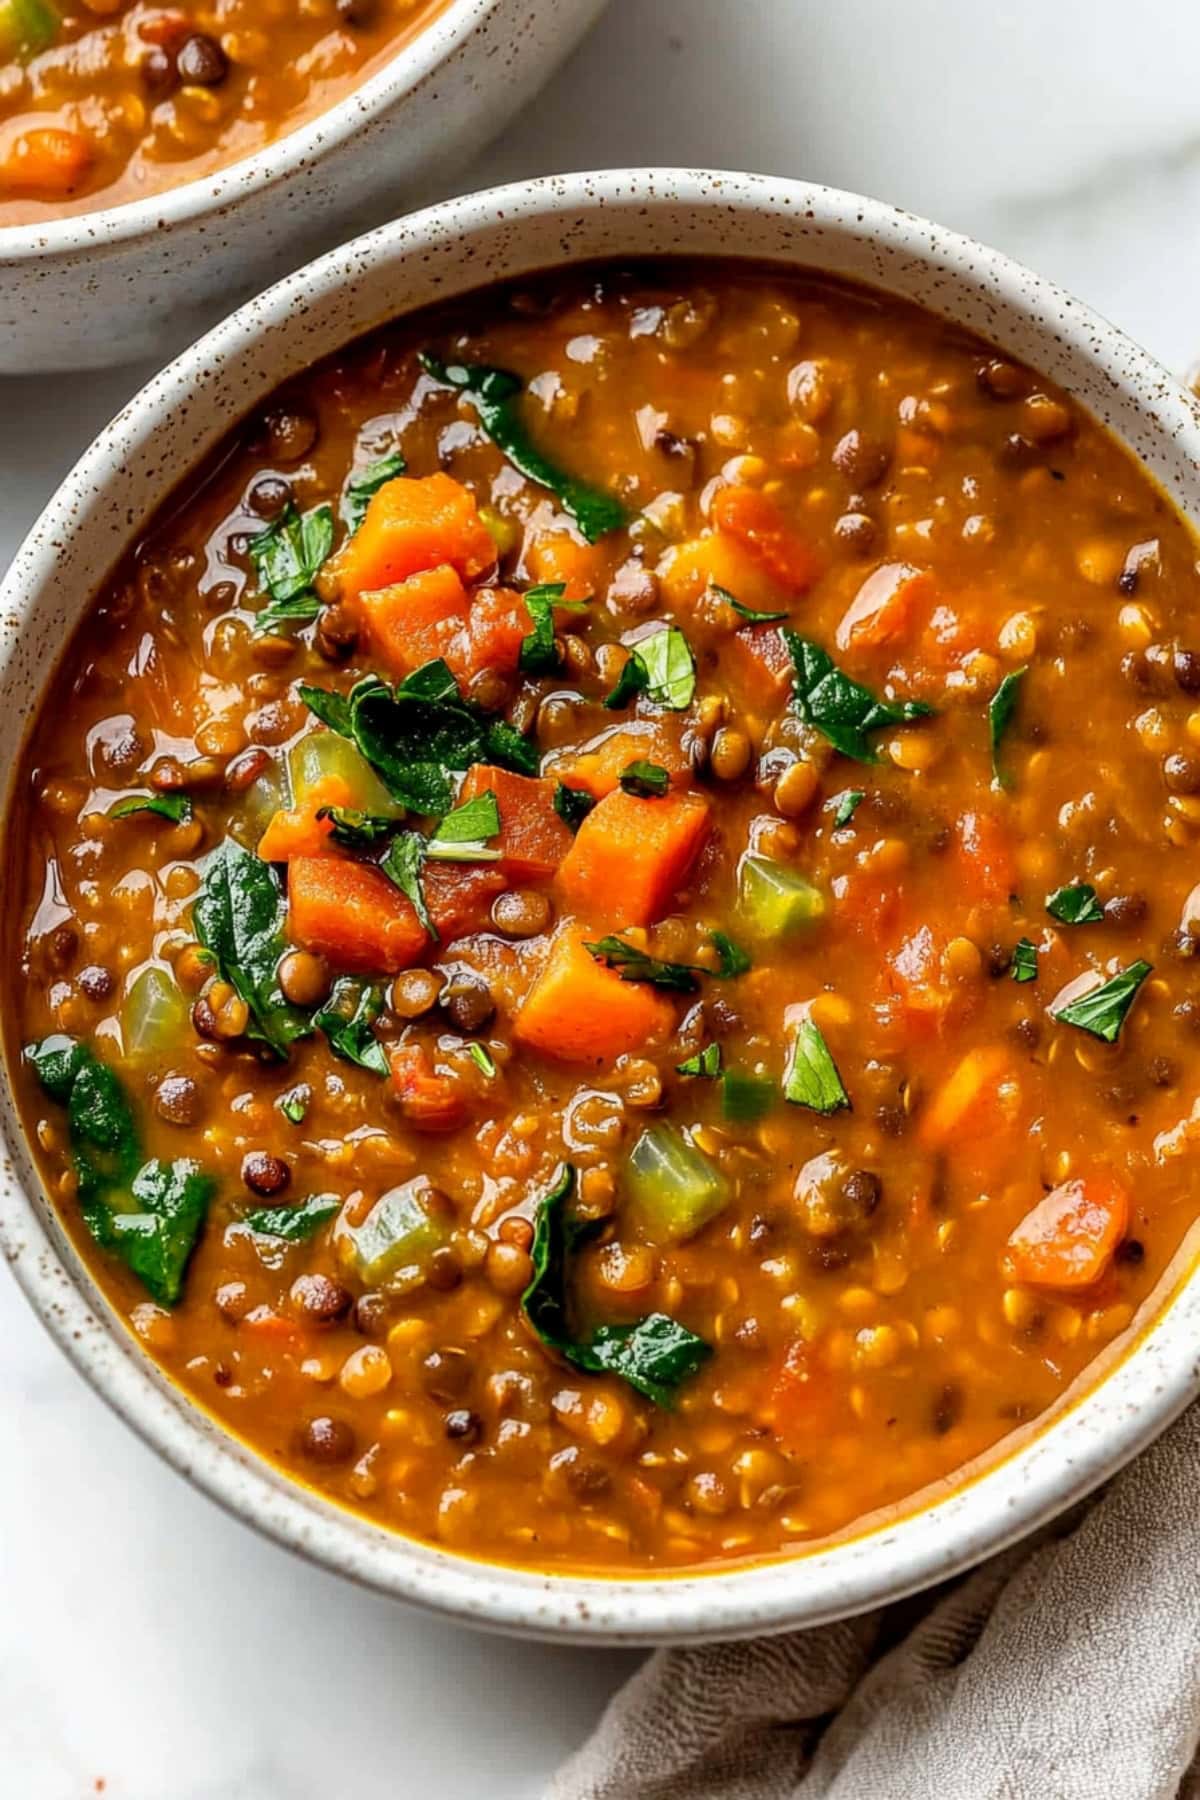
1145	1379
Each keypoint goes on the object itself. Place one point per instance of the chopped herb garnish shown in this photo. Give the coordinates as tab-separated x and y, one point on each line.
483	1059
294	1223
294	1104
1075	905
355	830
848	805
417	735
403	864
656	1355
1102	1010
572	804
1001	708
462	834
363	483
539	652
839	708
287	557
646	779
748	613
632	964
176	807
732	959
704	1062
811	1078
1025	961
239	915
496	396
660	666
346	1019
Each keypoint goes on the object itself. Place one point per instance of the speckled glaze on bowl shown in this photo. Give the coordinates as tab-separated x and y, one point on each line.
141	280
1143	1382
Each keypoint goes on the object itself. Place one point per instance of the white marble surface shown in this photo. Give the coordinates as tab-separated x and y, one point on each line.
149	1641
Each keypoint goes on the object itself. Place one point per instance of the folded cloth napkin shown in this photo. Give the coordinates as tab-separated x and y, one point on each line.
1067	1668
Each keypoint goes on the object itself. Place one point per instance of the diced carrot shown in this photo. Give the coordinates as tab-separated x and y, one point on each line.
580	1012
984	857
801	1397
533	839
714	559
459	896
599	769
867	902
630	856
1068	1239
967	1105
757	520
413	621
760	656
559	557
884	607
413	524
297	831
350	913
491	638
926	982
49	161
429	1100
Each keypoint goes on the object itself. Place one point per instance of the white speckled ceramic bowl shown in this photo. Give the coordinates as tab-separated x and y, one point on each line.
141	280
1145	1381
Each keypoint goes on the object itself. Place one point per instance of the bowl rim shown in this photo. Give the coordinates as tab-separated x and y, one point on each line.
1120	1412
291	151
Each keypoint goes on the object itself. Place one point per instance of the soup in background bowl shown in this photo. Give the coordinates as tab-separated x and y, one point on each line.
590	983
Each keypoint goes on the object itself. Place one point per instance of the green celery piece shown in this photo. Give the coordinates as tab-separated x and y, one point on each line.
155	1017
674	1187
399	1230
745	1098
323	753
775	902
26	26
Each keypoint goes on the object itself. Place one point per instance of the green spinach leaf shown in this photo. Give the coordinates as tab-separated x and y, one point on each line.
176	807
1025	961
1102	1010
1075	905
648	780
572	804
731	958
295	1223
483	1059
655	1356
704	1062
496	397
347	1018
156	1240
239	915
357	830
1001	708
632	964
748	613
848	805
840	709
404	864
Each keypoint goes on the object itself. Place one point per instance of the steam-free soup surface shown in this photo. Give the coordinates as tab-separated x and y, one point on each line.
113	100
607	962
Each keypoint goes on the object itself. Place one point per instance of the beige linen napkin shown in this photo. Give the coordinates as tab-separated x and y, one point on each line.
1067	1668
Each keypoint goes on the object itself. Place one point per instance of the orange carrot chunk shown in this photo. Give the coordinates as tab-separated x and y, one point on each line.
967	1106
983	858
492	634
412	524
48	162
884	606
351	914
599	769
297	831
1068	1239
580	1012
558	557
758	521
802	1401
413	621
429	1100
533	839
630	856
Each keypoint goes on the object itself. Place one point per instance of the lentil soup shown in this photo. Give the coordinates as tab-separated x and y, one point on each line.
608	955
113	100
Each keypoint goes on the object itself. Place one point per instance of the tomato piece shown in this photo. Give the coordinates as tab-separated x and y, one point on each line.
983	857
884	607
758	521
1067	1240
429	1099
